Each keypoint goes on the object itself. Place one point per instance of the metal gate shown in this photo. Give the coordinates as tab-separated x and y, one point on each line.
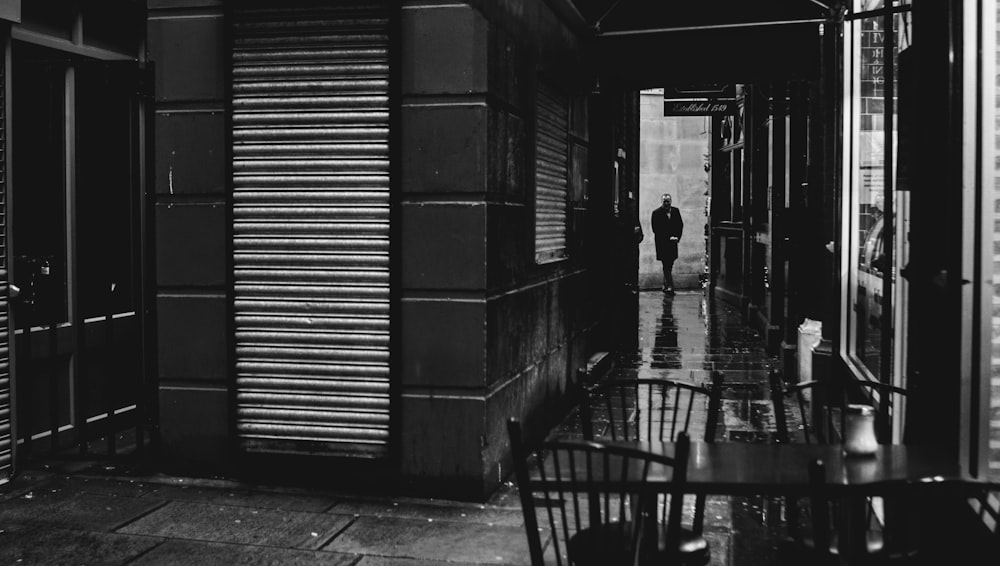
551	168
76	239
311	229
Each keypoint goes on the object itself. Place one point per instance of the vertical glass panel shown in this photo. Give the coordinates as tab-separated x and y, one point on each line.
39	186
869	193
902	28
736	197
867	5
105	199
738	165
991	159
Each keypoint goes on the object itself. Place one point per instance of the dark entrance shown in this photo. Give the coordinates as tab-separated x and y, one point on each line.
76	225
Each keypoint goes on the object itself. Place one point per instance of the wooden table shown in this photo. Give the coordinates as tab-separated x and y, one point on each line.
737	468
744	469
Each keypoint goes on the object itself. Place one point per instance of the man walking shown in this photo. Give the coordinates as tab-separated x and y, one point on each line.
667	228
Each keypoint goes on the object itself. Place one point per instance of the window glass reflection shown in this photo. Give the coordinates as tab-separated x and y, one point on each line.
992	155
869	193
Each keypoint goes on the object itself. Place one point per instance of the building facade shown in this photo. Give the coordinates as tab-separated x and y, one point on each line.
354	237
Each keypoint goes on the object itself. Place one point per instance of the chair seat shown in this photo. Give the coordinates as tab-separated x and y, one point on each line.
692	550
610	543
873	542
875	550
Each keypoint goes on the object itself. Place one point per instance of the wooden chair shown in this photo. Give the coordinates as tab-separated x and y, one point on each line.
656	410
840	531
821	411
592	516
821	405
817	410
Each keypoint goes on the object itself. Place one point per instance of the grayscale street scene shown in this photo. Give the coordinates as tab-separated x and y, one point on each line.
500	282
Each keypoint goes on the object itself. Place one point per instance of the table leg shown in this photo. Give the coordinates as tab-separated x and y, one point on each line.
852	527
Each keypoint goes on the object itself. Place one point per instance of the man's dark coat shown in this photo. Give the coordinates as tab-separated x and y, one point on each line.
663	228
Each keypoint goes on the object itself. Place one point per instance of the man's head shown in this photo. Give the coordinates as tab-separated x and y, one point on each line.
666	200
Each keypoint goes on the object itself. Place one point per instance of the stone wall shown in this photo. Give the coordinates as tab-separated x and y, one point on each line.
186	44
487	333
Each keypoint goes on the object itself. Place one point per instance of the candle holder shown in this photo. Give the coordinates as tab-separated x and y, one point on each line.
859	431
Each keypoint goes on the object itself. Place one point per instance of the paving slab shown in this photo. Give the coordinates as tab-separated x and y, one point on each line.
718	511
66	509
49	547
720	546
176	552
436	510
241	525
105	486
21	484
433	540
244	497
388	561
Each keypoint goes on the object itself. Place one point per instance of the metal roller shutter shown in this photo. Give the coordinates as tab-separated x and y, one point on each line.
6	388
551	168
311	229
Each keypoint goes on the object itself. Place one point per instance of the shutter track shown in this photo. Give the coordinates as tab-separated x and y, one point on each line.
311	229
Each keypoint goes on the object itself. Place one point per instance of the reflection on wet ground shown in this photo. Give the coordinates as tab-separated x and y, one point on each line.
688	336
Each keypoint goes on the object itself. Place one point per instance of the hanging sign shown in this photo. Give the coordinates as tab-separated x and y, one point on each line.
698	107
10	10
700	91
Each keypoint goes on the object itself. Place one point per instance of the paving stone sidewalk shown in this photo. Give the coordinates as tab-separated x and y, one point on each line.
53	518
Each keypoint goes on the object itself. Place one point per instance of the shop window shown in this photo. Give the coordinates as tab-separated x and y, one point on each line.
762	149
877	208
727	193
551	174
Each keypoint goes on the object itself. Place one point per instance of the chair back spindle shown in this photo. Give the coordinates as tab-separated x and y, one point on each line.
655	410
595	498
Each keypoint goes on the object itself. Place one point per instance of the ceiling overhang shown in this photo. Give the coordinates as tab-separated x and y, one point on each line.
648	43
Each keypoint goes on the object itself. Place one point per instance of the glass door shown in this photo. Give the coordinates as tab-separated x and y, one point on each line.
75	226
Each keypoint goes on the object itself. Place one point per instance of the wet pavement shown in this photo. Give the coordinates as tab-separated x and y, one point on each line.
688	336
96	514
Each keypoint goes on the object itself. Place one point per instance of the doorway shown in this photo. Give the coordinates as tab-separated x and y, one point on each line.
673	158
76	225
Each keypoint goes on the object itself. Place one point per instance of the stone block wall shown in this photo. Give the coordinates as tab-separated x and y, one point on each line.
487	333
186	44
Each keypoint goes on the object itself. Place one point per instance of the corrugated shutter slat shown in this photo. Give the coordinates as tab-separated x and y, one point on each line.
6	430
311	229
